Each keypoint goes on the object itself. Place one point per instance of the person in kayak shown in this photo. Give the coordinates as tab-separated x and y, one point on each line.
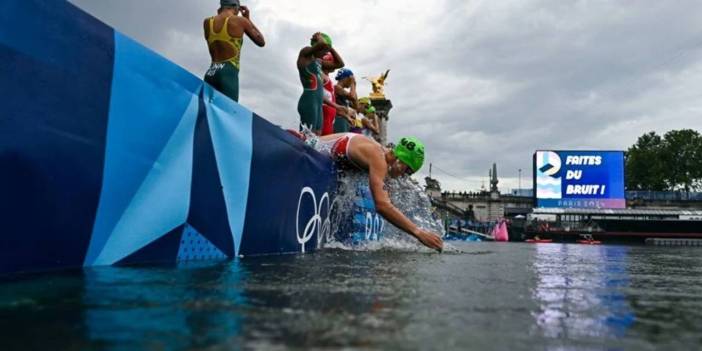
309	65
225	35
407	157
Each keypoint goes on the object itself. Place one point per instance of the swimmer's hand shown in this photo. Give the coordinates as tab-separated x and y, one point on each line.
245	12
430	240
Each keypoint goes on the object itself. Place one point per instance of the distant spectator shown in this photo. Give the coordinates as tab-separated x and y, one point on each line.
225	35
309	65
470	214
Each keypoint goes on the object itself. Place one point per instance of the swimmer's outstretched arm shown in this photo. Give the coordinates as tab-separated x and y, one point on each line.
377	171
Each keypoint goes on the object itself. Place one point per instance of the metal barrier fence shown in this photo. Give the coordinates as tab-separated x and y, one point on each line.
663	195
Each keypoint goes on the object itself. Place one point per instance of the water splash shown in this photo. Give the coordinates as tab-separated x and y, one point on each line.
405	193
409	197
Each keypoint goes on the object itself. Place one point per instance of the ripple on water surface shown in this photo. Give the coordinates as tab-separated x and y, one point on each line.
481	296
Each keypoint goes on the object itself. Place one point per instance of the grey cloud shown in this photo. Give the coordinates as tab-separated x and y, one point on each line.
565	74
615	51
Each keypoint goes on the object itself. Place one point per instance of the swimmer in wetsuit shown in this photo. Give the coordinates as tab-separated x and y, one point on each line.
404	159
345	93
309	66
370	123
225	35
330	109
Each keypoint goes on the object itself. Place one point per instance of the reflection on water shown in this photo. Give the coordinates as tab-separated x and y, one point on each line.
198	306
580	290
485	296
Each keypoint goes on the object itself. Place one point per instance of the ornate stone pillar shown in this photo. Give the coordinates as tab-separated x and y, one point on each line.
382	110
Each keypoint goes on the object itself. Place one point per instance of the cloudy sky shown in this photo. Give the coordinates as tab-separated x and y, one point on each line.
479	81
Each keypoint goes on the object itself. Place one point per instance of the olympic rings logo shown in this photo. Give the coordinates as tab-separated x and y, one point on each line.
316	224
374	226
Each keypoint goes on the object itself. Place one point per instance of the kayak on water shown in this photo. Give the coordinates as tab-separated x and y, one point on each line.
589	242
539	241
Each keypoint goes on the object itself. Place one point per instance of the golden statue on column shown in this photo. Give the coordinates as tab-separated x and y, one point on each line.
378	85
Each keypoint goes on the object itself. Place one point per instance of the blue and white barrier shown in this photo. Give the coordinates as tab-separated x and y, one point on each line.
111	154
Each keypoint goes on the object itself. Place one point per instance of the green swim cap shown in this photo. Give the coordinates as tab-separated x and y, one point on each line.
326	37
411	152
365	100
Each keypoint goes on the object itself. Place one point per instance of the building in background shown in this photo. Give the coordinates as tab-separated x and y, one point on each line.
483	205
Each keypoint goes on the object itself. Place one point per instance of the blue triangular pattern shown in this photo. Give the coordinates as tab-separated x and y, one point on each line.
195	247
230	127
146	109
161	250
208	210
161	201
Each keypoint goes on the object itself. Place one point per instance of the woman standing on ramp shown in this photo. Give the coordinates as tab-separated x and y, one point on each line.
309	65
225	35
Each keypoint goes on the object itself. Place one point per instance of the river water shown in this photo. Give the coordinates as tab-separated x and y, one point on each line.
483	296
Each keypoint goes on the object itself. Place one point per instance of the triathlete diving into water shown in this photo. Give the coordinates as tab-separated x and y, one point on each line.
356	150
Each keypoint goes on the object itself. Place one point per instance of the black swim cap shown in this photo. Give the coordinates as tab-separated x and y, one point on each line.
229	3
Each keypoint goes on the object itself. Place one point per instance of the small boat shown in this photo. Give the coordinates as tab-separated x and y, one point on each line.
589	242
539	241
587	239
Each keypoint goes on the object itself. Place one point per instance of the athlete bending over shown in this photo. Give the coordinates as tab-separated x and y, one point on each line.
364	153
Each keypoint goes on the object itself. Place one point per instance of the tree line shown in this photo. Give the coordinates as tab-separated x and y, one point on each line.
672	162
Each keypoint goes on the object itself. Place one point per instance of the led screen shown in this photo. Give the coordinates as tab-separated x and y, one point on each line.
579	179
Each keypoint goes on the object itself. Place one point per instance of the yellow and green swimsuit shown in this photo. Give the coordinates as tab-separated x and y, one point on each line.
224	75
